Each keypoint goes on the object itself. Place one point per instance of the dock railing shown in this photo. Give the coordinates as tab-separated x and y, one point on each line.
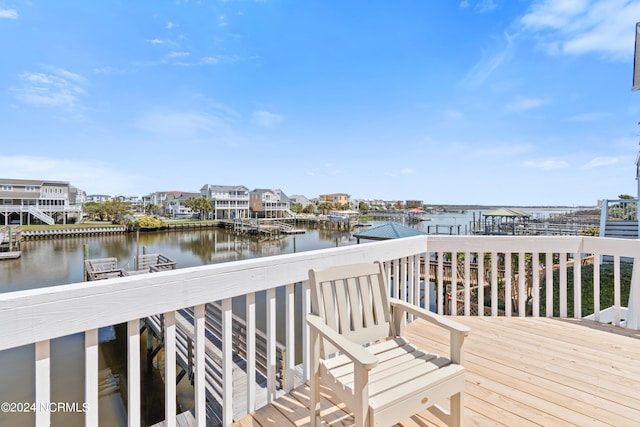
37	316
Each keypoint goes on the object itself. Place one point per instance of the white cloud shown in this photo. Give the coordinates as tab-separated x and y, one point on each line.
222	21
60	89
602	161
407	171
267	119
185	124
489	62
588	117
584	26
453	114
178	54
546	164
170	25
88	174
523	104
481	6
485	6
8	14
219	59
155	41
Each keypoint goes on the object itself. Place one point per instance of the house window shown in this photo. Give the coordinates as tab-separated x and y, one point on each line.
7	188
30	188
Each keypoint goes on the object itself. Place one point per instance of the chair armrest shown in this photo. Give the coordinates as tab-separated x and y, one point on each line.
353	351
436	319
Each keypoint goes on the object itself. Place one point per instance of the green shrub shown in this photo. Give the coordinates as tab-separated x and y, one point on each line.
147	222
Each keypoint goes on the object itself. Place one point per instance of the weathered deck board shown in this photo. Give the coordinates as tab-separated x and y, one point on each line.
520	371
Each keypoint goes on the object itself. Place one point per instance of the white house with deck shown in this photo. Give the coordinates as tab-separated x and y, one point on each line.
266	203
228	201
28	201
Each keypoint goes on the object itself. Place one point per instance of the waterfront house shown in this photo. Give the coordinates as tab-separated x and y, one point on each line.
171	203
98	198
335	198
128	198
299	199
27	201
228	201
265	203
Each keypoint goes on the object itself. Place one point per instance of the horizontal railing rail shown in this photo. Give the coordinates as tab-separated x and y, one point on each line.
620	210
523	276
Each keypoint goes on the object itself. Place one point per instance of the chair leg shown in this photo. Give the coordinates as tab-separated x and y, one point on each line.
457	410
314	380
314	402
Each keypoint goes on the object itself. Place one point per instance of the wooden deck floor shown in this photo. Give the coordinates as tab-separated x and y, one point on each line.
550	372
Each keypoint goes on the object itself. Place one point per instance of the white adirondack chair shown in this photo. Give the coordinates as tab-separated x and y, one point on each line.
358	351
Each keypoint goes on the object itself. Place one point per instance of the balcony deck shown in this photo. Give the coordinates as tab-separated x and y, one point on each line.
520	371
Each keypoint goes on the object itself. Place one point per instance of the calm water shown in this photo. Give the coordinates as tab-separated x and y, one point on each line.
60	261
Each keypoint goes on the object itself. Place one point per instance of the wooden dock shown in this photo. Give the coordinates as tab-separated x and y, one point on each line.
268	228
10	255
10	237
520	372
107	268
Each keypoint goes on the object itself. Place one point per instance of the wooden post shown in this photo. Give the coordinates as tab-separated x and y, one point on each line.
137	249
84	264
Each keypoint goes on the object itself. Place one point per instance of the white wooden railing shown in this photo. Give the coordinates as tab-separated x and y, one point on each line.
39	315
620	210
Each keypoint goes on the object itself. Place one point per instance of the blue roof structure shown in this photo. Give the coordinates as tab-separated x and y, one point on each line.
388	231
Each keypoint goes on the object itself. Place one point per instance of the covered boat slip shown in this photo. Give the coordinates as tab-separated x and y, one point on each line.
519	372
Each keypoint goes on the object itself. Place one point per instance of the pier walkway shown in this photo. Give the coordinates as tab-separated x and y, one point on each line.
185	338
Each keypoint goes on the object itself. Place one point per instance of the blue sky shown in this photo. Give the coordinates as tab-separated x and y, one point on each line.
501	102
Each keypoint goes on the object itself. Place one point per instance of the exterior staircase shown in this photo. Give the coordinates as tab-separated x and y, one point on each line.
41	215
619	218
621	229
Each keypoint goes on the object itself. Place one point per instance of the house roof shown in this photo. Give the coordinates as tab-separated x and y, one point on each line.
388	231
225	188
509	212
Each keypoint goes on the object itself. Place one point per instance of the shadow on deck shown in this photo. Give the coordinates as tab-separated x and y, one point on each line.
520	371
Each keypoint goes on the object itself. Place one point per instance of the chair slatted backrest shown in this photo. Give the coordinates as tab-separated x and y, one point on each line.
354	301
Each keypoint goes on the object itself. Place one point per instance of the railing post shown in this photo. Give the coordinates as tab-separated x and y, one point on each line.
440	296
549	284
467	286
508	300
91	377
604	216
522	295
289	366
577	285
43	383
535	284
271	344
200	366
133	372
227	363
170	368
306	309
251	351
